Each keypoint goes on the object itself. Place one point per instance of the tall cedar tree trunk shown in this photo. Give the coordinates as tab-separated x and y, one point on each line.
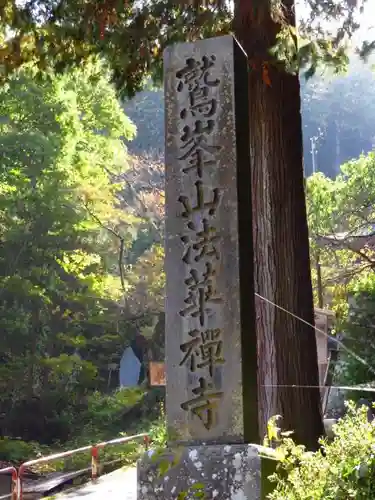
286	347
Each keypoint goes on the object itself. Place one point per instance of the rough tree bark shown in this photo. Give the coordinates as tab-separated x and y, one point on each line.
286	346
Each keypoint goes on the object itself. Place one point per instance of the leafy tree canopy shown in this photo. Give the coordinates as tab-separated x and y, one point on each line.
63	242
341	215
132	35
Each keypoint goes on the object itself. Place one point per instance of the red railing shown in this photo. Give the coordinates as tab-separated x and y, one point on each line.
97	447
14	485
94	449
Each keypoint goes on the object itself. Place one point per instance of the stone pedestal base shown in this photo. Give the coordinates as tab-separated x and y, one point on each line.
208	472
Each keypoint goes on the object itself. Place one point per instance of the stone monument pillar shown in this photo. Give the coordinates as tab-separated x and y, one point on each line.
211	345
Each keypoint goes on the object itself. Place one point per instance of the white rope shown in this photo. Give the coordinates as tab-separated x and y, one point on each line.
340	387
349	351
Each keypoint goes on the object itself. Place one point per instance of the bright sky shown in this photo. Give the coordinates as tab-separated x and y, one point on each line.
366	20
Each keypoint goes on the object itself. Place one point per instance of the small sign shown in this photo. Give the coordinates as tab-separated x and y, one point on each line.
157	373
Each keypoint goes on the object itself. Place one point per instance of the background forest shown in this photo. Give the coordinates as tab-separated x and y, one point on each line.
338	118
81	257
81	247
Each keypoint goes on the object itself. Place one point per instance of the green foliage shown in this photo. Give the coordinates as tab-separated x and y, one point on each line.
196	490
150	290
341	219
102	420
345	203
343	468
15	450
158	430
132	36
128	35
358	334
104	410
64	238
72	247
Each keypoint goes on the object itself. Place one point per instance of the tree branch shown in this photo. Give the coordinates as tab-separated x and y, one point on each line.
122	245
346	275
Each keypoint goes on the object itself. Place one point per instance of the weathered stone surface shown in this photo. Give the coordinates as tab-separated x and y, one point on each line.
211	361
222	472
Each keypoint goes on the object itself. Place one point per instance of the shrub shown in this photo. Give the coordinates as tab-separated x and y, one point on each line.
158	430
105	410
17	451
358	334
342	469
